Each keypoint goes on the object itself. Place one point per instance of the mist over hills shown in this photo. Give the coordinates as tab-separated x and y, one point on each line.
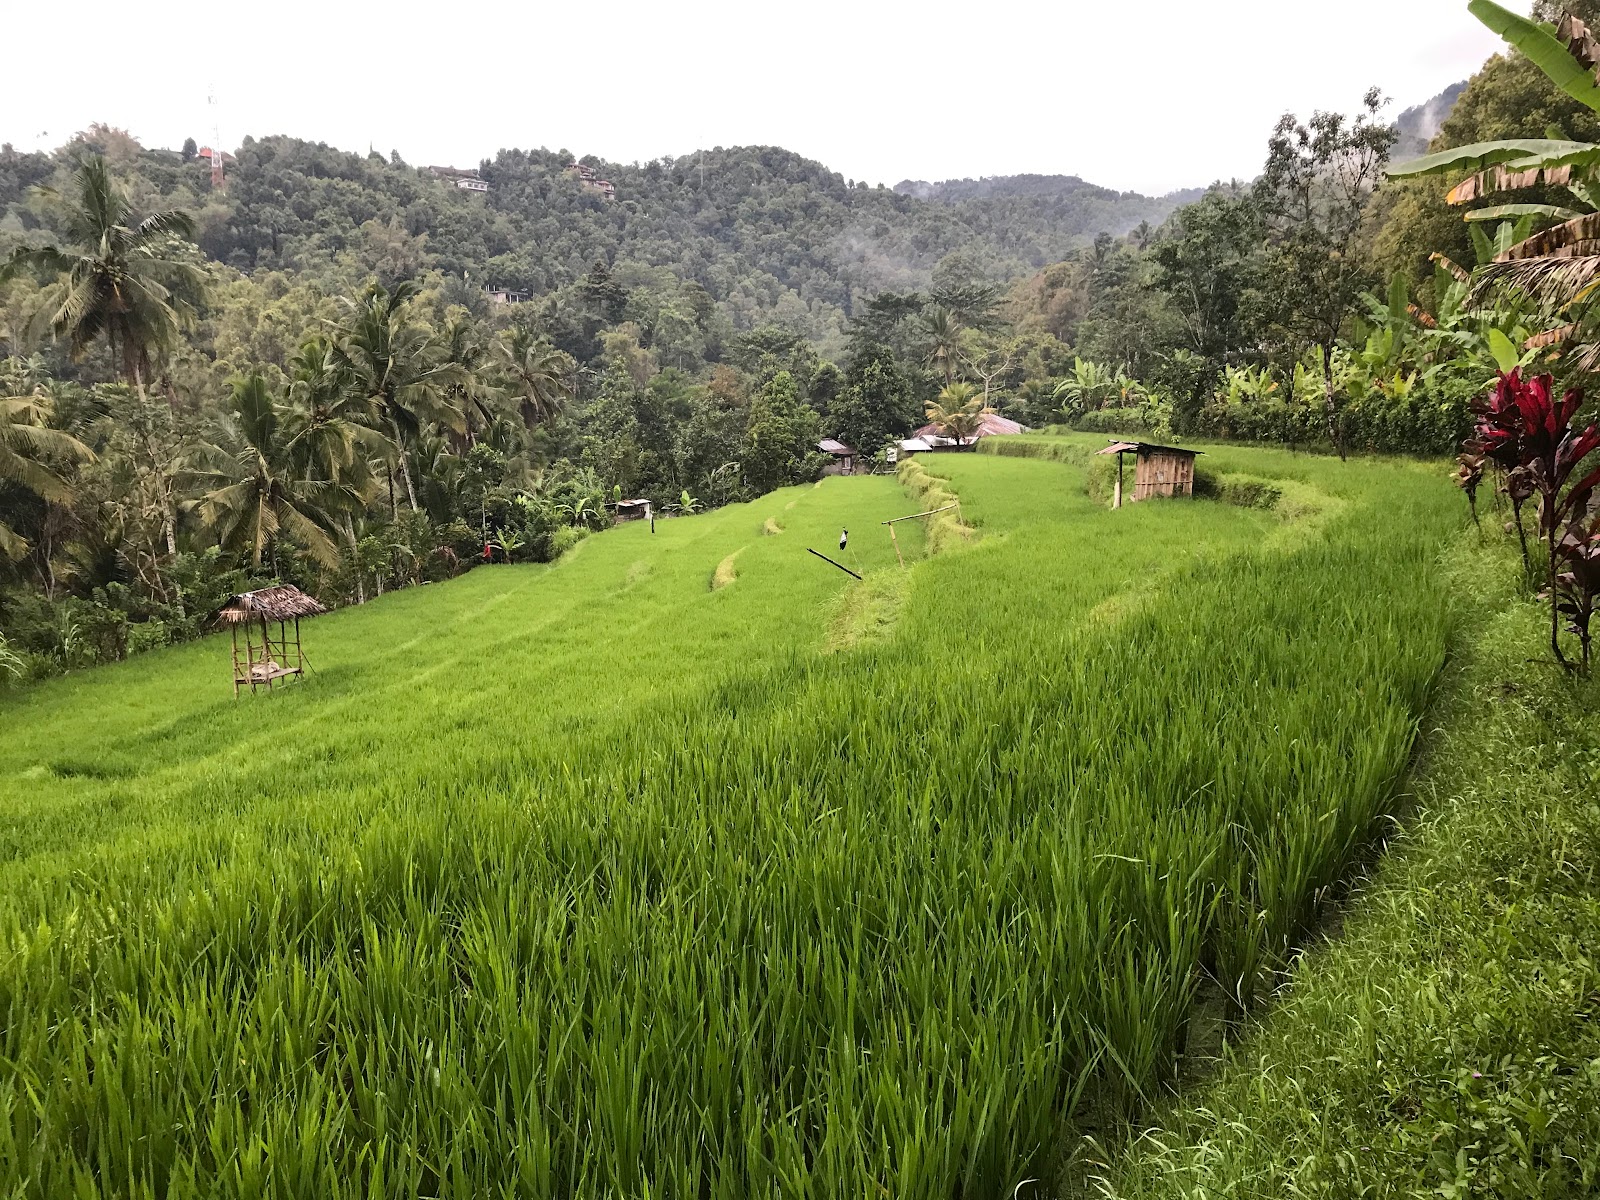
990	187
1419	123
771	236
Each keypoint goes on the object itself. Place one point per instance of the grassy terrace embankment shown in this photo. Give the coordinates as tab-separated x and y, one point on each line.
595	879
1447	1041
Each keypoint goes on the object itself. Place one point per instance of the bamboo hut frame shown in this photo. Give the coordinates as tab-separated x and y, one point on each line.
912	517
271	659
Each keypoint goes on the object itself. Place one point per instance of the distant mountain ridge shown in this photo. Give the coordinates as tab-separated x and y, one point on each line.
1420	123
1062	201
991	186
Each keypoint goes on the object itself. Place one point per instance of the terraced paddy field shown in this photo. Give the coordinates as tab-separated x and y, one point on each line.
689	866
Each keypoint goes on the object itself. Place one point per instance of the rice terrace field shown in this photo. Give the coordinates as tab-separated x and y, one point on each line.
688	866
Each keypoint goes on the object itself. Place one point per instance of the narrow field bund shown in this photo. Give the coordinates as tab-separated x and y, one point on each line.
549	887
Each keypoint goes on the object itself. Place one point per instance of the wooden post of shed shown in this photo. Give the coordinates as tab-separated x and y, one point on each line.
1116	494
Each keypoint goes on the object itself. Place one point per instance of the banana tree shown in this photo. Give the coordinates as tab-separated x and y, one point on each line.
1090	386
1558	268
1567	53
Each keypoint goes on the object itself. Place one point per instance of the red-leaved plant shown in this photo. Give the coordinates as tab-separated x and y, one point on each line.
1529	434
1578	582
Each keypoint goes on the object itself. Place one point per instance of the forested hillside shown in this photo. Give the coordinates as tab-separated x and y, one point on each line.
768	235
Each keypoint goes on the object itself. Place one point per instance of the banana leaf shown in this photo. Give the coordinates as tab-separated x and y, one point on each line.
1574	238
1540	44
1525	153
1510	212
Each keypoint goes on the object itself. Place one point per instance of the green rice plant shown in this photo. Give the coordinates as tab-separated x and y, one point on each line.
586	880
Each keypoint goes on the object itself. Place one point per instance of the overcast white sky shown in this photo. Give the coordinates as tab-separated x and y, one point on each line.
1152	97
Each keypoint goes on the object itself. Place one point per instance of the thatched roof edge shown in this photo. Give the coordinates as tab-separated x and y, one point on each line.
282	603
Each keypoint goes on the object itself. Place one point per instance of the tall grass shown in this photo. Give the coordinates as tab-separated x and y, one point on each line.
1445	1044
589	880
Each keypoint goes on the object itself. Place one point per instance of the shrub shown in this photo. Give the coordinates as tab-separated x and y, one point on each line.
565	538
1102	478
1247	491
147	635
1149	421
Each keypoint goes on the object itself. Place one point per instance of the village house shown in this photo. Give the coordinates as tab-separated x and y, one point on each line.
929	437
845	460
467	181
590	179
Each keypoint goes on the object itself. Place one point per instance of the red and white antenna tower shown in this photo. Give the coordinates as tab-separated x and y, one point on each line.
218	182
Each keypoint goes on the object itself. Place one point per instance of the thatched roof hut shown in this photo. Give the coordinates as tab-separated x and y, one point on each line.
275	658
282	603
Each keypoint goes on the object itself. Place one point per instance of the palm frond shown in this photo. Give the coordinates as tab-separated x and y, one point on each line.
1556	282
311	535
173	221
1550	337
12	544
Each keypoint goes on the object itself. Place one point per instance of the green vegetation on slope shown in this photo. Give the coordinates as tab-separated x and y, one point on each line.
587	879
1446	1043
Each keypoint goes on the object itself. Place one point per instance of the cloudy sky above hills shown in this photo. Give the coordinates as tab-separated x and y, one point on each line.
1151	98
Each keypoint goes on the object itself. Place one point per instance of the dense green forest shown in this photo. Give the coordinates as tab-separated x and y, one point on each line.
349	372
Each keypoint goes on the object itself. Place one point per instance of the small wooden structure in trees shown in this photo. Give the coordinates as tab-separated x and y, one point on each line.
633	510
844	457
1158	470
266	659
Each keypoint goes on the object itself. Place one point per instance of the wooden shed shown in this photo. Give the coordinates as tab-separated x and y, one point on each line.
1158	470
633	510
264	662
844	457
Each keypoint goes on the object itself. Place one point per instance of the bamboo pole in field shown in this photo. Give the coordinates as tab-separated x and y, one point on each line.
249	659
892	522
826	559
914	516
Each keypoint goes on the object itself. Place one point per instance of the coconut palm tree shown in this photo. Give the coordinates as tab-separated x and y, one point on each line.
943	332
397	367
332	439
259	494
958	412
472	391
540	376
120	283
29	450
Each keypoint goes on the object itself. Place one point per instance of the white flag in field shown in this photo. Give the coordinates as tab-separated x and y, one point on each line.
844	536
